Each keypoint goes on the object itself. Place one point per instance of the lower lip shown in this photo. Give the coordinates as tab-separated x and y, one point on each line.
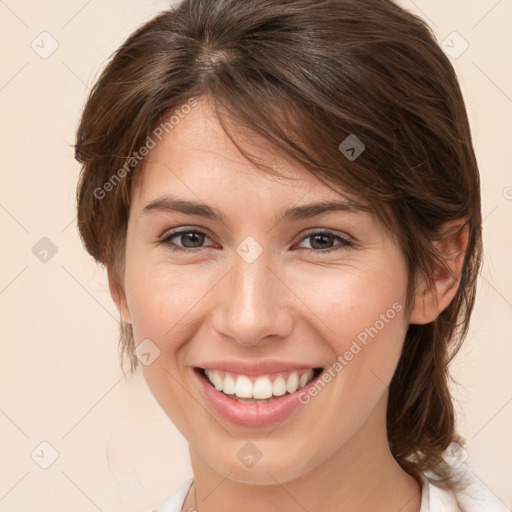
252	415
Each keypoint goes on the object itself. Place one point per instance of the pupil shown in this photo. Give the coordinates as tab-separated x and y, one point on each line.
317	238
190	237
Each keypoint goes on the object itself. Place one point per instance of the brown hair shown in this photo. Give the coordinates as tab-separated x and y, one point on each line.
305	74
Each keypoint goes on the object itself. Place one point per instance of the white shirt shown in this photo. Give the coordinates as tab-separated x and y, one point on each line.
476	497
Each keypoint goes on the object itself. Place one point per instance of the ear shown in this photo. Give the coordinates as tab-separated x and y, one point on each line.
429	304
118	296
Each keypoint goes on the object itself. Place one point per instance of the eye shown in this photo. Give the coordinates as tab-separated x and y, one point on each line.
190	240
321	242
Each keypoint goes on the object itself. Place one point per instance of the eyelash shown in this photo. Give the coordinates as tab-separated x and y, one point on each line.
345	243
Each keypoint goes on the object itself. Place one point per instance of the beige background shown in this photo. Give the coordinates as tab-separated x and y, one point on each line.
59	377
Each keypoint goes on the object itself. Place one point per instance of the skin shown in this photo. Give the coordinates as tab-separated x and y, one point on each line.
209	303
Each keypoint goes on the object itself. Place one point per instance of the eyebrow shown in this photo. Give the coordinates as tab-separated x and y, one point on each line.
171	204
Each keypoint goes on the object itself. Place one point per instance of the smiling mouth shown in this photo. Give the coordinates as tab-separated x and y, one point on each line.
258	389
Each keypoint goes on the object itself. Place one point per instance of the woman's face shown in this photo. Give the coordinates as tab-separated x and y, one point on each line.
245	284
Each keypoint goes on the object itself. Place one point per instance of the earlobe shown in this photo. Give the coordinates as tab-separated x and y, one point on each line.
428	304
118	296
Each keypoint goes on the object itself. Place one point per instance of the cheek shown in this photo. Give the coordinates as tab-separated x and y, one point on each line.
155	295
165	303
164	308
370	324
153	304
357	304
344	305
362	318
361	315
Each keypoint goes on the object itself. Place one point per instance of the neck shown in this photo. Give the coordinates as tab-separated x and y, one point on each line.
362	475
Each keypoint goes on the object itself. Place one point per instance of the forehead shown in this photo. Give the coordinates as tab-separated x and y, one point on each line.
196	158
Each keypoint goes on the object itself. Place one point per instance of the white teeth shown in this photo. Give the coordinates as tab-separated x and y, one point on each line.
216	380
292	383
262	389
229	385
243	387
304	378
279	387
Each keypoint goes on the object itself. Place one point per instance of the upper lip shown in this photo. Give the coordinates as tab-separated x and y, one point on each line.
260	367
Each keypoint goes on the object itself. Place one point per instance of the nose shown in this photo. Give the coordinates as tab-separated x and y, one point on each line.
253	302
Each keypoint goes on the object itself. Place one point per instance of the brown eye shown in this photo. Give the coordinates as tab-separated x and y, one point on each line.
321	242
187	240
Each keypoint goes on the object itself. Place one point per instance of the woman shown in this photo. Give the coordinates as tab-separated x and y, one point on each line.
287	201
